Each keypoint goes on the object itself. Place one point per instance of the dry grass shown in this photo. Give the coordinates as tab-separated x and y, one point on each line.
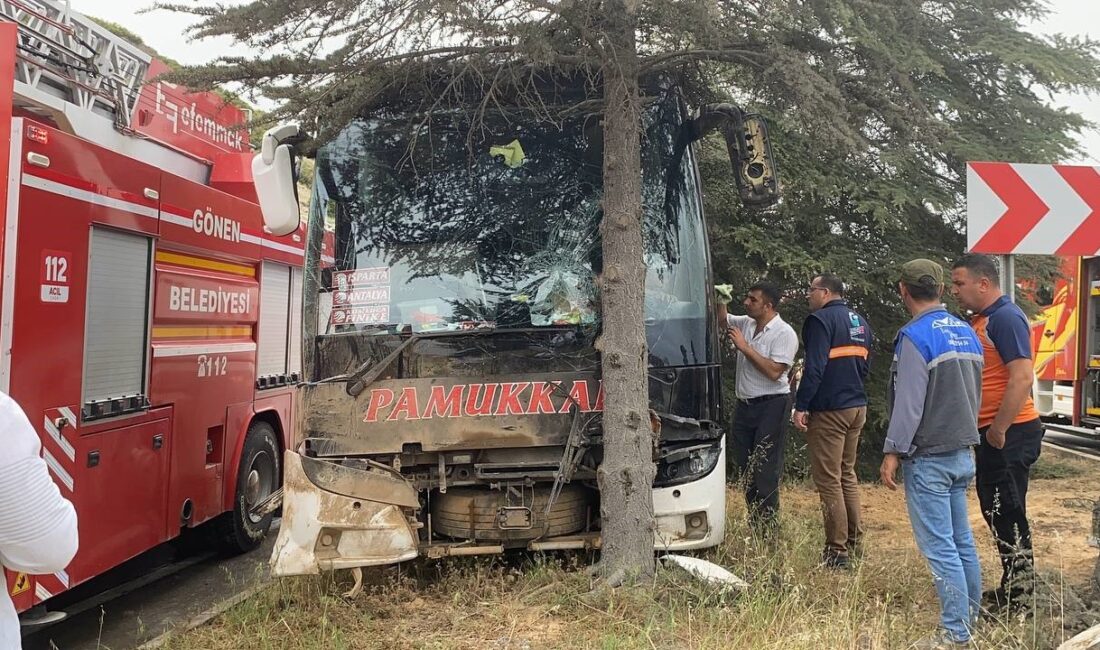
550	602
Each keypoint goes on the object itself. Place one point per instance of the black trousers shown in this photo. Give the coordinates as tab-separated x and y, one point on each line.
755	452
1002	478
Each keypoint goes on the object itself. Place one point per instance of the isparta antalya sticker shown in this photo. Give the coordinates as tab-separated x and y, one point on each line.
365	296
345	280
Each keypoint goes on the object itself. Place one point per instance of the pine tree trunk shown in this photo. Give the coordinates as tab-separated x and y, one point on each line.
627	472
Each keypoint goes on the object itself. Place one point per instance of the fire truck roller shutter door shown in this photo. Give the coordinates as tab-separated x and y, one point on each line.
274	327
117	318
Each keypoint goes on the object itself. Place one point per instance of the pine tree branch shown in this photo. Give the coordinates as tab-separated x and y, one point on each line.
670	60
587	35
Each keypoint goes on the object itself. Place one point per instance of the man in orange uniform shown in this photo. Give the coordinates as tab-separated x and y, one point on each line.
1011	432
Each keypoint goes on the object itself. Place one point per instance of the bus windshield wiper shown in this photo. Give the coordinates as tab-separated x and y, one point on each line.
366	374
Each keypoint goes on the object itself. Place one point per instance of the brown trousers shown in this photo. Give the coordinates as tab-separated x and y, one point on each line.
832	437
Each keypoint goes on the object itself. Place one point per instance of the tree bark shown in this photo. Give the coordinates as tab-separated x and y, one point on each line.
626	474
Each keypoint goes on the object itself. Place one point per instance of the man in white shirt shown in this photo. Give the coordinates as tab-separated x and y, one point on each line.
766	348
37	524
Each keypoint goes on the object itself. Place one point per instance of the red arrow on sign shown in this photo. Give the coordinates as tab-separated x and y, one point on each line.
1024	209
1086	182
1016	208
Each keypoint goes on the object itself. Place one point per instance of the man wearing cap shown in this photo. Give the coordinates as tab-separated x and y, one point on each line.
932	401
766	346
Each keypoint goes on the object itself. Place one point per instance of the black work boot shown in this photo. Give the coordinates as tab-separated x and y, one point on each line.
836	561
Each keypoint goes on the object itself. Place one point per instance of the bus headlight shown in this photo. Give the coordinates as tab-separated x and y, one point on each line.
686	462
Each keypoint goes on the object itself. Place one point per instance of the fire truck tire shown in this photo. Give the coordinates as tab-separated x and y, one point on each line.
257	477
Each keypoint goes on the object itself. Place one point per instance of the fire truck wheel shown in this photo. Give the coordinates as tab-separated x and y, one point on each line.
257	478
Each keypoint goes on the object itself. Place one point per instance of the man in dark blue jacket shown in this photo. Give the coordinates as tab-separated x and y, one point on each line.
831	407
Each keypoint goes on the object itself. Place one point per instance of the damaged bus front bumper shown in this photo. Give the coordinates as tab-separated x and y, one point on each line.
692	516
338	517
343	516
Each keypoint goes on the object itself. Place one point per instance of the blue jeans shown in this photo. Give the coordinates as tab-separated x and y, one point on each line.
935	495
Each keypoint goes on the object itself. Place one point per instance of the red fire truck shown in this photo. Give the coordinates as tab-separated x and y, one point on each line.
147	317
1066	336
1055	342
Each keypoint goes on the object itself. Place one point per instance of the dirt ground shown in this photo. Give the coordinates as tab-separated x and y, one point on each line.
1060	511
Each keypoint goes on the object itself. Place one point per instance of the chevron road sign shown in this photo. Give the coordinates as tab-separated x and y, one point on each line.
1032	209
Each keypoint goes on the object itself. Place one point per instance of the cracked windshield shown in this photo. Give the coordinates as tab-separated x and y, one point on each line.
442	224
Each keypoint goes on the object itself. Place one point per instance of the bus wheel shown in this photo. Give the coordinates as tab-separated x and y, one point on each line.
257	478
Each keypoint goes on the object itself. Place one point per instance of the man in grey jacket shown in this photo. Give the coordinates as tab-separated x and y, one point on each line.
933	400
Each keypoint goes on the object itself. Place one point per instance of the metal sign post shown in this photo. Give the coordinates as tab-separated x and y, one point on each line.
1008	276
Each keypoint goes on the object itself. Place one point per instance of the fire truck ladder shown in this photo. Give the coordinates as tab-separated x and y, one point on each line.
63	55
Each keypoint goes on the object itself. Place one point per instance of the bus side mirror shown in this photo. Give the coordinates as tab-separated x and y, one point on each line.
274	178
749	151
757	177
